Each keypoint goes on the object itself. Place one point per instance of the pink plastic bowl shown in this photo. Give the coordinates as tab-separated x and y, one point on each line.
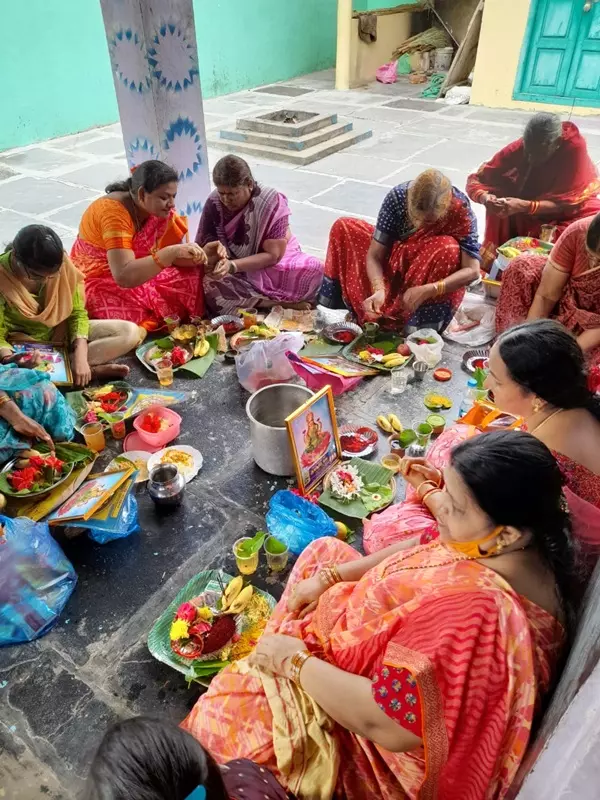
163	437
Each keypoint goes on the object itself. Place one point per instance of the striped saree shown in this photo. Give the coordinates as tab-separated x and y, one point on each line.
480	654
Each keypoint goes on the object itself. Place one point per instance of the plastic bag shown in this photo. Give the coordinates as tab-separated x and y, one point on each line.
265	362
109	530
316	378
430	352
474	323
36	580
387	73
297	522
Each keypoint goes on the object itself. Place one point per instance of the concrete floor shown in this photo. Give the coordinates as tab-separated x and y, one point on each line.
58	695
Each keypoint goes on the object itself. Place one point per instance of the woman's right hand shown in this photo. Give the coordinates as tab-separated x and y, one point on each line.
373	305
25	426
305	595
417	470
190	253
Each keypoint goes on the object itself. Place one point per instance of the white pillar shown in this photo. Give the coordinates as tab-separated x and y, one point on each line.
153	53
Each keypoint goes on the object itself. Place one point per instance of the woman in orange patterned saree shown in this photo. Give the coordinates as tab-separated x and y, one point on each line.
412	674
132	248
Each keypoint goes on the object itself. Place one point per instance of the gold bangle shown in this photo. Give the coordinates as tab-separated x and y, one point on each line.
440	288
157	260
330	576
298	660
430	484
435	490
4	398
376	286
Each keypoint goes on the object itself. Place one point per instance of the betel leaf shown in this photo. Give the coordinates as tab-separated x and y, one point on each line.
274	546
249	547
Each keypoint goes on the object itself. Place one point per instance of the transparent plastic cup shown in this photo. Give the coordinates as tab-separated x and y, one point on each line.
247	565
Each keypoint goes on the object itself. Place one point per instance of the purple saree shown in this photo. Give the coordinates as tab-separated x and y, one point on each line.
295	279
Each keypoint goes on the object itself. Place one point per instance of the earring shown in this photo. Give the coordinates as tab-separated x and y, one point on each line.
537	405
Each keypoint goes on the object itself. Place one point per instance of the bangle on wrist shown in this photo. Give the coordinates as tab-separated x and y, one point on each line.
298	660
533	206
4	399
232	268
440	288
330	576
428	494
378	286
425	487
157	260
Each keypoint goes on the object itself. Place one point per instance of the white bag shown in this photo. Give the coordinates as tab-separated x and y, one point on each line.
264	362
431	354
474	323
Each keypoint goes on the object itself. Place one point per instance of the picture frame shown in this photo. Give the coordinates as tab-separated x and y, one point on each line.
56	363
314	439
91	496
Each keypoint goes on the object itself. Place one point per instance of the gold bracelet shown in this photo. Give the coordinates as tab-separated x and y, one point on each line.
440	288
430	484
376	286
298	660
330	576
157	260
4	398
435	490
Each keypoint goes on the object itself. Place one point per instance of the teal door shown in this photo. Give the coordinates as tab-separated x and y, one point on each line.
560	58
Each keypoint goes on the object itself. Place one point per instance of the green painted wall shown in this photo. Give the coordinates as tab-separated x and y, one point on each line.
55	72
246	43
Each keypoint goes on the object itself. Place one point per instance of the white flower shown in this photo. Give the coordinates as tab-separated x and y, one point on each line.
346	483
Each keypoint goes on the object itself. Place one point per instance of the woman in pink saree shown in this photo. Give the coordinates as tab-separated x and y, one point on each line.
265	265
537	372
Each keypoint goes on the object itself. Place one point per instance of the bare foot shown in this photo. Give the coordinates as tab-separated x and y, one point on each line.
110	371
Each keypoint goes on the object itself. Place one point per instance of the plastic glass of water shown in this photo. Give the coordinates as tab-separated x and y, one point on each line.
398	380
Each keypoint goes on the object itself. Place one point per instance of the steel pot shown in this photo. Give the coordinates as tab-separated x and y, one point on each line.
166	485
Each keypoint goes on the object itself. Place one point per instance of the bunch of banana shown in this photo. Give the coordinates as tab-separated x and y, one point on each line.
235	597
393	360
202	347
389	423
263	331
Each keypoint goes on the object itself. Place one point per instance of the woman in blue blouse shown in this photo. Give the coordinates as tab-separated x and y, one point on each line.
412	268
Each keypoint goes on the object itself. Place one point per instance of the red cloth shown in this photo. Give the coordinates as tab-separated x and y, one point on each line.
569	178
578	309
429	255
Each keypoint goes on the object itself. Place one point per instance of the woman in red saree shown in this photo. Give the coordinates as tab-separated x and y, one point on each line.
547	178
132	250
412	674
412	268
566	286
537	372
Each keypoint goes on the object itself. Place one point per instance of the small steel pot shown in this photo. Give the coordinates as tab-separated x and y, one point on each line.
166	485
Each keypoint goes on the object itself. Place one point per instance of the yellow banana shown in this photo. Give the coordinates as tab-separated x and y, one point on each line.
241	601
384	424
390	357
395	423
232	591
395	361
202	348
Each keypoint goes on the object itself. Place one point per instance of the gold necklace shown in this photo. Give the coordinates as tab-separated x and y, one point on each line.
460	558
548	418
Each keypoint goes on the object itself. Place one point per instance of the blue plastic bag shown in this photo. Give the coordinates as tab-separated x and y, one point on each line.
103	531
297	522
36	580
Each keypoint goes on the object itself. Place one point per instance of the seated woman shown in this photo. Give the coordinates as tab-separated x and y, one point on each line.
31	409
412	268
145	759
537	372
263	265
564	286
547	178
413	673
42	300
132	250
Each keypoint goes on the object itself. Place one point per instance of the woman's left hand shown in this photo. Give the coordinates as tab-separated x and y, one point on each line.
416	471
273	653
222	269
82	374
415	297
514	205
215	252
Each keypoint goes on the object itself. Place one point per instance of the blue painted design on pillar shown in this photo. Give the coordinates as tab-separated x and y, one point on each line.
173	59
192	208
141	149
129	61
183	145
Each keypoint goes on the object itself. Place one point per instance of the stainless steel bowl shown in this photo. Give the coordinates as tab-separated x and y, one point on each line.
9	467
330	331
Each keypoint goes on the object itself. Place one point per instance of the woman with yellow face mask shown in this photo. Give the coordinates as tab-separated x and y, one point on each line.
412	673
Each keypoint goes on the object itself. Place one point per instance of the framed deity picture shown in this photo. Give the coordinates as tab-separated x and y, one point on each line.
314	439
90	497
55	363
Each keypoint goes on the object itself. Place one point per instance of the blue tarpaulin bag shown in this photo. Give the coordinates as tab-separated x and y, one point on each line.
36	580
297	522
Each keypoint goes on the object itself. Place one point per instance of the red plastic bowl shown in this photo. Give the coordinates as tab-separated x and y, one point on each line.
161	438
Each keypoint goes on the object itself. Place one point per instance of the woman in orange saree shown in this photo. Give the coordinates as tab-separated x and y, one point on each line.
411	674
546	178
132	250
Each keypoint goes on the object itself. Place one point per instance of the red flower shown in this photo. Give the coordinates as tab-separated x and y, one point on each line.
178	356
23	478
312	498
186	611
375	351
37	461
55	463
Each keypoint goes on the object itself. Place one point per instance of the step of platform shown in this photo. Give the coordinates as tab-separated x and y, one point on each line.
308	122
298	157
289	142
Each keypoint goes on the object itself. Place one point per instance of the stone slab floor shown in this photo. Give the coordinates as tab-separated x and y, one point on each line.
58	695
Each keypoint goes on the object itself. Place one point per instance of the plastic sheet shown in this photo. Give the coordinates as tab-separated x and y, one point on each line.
297	522
36	580
265	362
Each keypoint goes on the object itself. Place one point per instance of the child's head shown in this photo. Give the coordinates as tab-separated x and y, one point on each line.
144	759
